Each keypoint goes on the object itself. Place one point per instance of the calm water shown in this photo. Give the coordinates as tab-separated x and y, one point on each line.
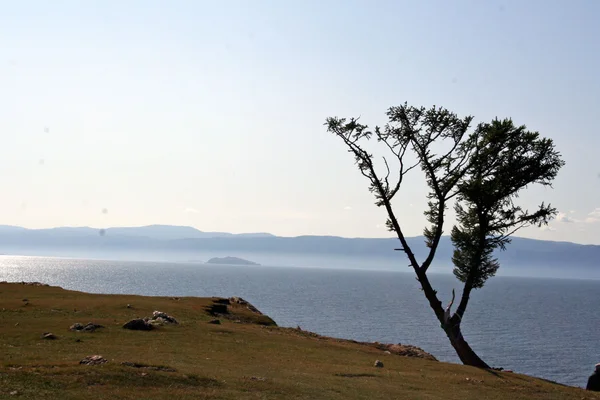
541	327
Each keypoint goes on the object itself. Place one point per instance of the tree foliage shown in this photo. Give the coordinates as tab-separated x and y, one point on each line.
480	171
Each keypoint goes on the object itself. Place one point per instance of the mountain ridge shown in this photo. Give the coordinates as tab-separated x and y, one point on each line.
164	240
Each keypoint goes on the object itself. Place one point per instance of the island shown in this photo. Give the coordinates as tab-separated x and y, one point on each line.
230	261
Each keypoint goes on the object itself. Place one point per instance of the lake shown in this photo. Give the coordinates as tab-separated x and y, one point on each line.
541	327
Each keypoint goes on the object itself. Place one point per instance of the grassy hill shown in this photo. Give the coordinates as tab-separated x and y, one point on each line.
245	357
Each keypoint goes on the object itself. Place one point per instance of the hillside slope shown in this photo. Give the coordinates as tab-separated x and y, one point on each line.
244	357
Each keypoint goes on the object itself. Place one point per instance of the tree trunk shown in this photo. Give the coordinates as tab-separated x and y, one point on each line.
452	328
466	354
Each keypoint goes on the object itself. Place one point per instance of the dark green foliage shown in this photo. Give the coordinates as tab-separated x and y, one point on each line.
505	159
480	174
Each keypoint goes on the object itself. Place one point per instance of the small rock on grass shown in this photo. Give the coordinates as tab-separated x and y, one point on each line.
163	318
138	324
93	360
378	364
90	327
215	322
49	336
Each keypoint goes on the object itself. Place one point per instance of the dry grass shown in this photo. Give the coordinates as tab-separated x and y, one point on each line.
234	360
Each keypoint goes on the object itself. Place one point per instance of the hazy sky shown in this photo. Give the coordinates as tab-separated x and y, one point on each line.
210	114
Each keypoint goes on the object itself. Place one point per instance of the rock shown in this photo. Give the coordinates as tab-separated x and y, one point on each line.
163	318
215	322
90	327
25	300
387	352
93	360
49	336
406	350
217	308
76	327
378	364
128	305
138	324
240	301
258	378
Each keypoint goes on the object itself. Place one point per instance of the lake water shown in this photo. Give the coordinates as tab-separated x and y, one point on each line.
543	327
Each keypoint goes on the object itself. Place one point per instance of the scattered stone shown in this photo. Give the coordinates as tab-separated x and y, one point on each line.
387	352
128	305
138	324
78	340
163	318
90	327
217	308
405	350
25	300
14	393
378	364
93	360
49	336
215	322
240	301
17	324
258	378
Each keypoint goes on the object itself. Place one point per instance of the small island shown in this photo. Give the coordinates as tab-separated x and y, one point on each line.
230	261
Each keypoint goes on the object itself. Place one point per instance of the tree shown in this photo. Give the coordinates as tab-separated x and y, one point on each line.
480	174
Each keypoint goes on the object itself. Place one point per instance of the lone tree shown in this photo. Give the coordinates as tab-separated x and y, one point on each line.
480	174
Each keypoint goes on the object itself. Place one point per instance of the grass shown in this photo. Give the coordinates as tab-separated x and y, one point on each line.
245	357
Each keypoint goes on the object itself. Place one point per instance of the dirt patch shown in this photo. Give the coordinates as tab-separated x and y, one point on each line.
149	367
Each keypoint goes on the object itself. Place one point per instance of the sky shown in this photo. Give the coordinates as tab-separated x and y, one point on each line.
210	114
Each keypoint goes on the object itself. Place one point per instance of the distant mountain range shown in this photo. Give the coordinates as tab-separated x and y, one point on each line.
158	232
172	239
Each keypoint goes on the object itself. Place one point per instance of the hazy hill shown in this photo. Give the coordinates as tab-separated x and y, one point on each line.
160	232
177	239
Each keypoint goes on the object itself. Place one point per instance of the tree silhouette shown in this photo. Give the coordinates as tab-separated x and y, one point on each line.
480	173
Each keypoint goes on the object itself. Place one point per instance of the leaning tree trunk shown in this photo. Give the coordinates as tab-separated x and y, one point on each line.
466	354
452	327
